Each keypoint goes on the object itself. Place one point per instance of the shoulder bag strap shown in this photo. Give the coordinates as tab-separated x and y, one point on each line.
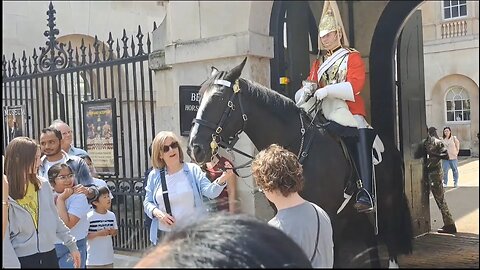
166	201
318	231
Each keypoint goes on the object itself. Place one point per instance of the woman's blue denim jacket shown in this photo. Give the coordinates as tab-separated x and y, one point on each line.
201	186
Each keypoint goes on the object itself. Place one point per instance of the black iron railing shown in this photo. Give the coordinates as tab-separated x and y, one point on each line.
55	83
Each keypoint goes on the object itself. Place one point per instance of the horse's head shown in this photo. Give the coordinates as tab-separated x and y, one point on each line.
220	117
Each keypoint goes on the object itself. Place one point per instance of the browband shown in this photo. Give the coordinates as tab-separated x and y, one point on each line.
223	82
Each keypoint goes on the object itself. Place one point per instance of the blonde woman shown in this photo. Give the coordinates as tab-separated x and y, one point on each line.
181	201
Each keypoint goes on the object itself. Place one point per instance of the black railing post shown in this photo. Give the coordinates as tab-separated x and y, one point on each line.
51	61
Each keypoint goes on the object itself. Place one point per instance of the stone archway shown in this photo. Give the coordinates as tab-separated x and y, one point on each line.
382	65
398	97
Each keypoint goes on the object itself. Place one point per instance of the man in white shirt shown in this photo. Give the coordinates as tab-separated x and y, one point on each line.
50	146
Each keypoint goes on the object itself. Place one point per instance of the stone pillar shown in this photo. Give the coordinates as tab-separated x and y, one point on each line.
192	38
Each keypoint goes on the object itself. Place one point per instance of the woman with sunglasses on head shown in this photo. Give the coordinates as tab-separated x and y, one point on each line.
177	201
72	207
33	222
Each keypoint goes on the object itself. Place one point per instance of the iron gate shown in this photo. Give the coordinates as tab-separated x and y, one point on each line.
53	84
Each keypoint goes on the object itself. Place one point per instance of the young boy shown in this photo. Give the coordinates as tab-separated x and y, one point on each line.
103	225
279	174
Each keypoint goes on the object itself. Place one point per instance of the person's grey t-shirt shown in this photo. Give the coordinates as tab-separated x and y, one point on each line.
300	223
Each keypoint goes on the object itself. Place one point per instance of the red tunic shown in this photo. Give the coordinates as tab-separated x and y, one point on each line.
355	76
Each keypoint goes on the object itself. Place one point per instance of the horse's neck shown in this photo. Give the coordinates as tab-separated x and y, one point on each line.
265	127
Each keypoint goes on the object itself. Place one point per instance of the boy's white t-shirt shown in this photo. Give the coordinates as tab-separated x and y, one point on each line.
100	249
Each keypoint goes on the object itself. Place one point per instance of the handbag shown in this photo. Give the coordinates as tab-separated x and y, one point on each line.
166	201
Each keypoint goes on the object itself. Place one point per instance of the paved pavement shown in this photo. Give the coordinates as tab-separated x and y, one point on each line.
124	259
462	201
432	250
435	250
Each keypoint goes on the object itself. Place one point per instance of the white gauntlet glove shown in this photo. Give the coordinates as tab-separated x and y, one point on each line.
305	92
321	93
341	90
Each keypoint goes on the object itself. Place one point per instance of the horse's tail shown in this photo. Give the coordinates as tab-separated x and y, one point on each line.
401	231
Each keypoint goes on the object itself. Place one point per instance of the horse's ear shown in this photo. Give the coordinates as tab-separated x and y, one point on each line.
214	71
235	73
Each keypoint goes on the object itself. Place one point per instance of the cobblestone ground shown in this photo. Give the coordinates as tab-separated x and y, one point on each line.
435	250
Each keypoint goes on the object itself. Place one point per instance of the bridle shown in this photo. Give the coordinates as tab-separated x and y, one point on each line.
217	138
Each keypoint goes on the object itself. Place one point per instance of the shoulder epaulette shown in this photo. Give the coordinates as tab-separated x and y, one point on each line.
351	50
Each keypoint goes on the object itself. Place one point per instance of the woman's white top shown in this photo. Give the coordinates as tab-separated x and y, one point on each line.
180	194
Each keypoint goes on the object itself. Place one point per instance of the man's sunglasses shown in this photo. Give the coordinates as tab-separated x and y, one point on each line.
166	148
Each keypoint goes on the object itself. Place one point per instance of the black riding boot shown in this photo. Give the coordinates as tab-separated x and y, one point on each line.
361	152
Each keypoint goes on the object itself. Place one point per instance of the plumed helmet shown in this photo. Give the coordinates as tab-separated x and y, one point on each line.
331	21
327	24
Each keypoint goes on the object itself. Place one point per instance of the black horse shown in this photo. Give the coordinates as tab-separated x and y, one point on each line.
230	104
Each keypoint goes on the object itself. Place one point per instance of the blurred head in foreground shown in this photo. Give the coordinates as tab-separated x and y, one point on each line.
227	241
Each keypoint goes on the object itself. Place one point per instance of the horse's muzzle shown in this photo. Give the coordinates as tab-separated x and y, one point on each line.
196	153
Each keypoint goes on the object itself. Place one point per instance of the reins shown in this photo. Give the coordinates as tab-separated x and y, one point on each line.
219	141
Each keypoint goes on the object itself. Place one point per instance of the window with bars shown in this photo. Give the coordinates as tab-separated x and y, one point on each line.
454	9
457	104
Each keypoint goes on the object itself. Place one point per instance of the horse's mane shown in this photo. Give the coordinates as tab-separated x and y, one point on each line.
278	103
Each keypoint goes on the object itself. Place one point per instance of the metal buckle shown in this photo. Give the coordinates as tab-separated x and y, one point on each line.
218	130
359	183
236	87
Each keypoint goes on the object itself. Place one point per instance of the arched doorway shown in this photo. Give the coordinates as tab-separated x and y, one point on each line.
398	96
397	105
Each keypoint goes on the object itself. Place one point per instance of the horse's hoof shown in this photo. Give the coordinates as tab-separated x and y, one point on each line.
363	207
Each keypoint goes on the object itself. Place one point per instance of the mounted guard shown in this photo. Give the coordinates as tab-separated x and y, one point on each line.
336	80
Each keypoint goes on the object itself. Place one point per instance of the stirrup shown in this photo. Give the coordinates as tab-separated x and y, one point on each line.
358	202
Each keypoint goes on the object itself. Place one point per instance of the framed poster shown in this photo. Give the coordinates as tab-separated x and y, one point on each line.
15	121
100	134
189	103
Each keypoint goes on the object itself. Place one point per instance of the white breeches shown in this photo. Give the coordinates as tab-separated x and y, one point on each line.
361	122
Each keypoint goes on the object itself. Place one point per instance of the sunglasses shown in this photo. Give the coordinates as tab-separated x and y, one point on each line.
172	146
